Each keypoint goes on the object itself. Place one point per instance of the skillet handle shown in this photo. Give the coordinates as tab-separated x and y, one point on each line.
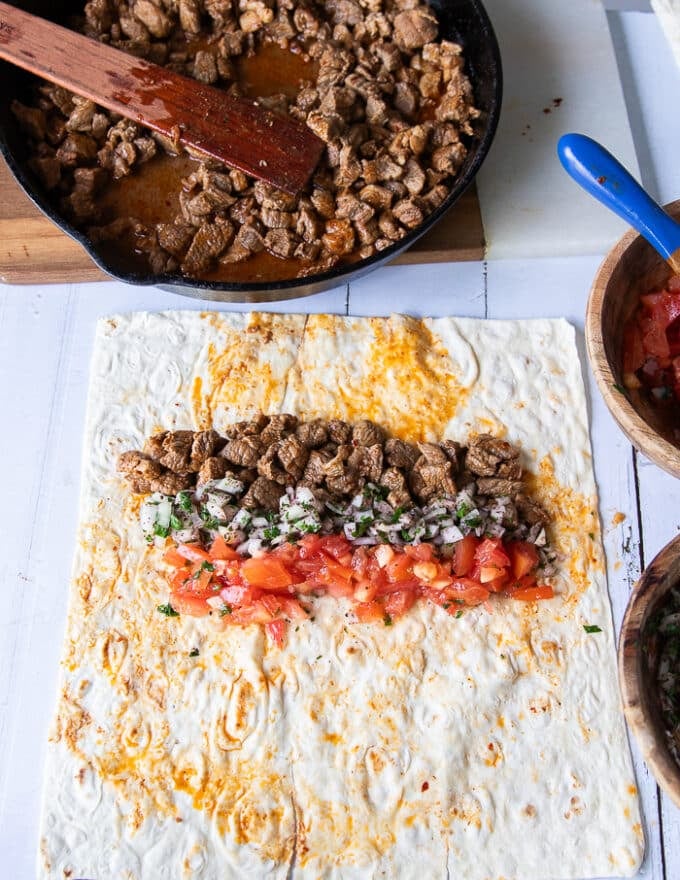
605	178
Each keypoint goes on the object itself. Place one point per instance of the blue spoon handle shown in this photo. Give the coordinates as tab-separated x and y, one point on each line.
605	178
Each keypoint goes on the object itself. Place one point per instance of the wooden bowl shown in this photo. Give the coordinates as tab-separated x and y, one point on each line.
631	268
637	673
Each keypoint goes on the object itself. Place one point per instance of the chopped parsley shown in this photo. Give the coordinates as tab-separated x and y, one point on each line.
387	620
161	531
361	527
175	522
207	566
168	610
194	653
591	628
459	613
272	532
210	521
446	606
619	388
463	510
396	516
225	609
184	501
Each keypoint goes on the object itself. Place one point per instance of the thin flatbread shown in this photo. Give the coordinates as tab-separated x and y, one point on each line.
487	746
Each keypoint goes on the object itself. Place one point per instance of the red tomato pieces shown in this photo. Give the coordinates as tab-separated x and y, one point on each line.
382	582
651	345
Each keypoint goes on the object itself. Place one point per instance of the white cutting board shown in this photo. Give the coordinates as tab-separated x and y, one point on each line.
560	74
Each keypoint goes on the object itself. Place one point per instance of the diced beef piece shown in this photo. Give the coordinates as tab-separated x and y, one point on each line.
247	428
388	54
214	468
339	432
336	465
394	480
205	67
489	456
244	450
351	208
279	425
405	99
205	445
48	170
174	238
306	21
274	219
249	238
137	32
255	17
99	15
435	197
531	511
377	196
31	120
327	127
82	115
414	178
367	461
339	237
176	451
221	11
413	28
236	253
401	454
263	493
432	453
454	452
281	243
367	433
324	202
293	456
498	486
153	17
271	468
408	213
449	158
349	482
429	481
307	224
77	149
190	16
345	11
208	243
315	470
146	475
312	434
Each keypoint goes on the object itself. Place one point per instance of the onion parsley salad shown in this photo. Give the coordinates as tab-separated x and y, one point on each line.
663	644
256	525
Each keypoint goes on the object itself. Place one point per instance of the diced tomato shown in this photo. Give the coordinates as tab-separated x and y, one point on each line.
360	562
291	608
309	545
219	549
368	612
186	603
271	602
468	591
399	603
497	583
338	547
399	568
175	559
421	552
524	557
464	555
239	595
276	630
266	572
193	552
490	553
366	591
633	350
255	613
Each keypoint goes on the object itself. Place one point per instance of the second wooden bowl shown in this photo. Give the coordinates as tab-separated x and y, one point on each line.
631	268
637	667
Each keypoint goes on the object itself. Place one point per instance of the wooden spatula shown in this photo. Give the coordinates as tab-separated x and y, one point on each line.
272	147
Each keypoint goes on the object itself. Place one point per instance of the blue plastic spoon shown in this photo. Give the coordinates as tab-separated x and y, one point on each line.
605	178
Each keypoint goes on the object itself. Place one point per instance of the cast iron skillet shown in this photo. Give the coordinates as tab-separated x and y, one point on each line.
464	21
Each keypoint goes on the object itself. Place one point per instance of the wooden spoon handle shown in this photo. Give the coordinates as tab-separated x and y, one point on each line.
238	132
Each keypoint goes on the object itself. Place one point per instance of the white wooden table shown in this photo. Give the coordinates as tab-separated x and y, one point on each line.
45	342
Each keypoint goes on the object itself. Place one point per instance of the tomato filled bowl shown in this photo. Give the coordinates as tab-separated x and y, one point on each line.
633	341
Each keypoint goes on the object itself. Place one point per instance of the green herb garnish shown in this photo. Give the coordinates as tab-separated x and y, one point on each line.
184	501
459	613
175	522
161	531
591	628
194	653
387	620
397	514
619	388
271	533
463	510
225	609
168	610
210	521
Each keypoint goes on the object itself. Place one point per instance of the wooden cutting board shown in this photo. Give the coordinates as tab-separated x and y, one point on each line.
35	251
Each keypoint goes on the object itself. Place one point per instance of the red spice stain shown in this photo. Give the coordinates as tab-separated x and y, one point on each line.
425	786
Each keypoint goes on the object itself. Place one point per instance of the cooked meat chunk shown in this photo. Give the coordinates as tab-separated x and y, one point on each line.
175	238
48	170
205	445
190	16
281	243
312	434
315	471
531	511
335	466
214	468
31	119
367	433
339	432
454	452
487	454
247	428
146	475
270	467
208	243
244	450
279	425
77	149
429	481
367	461
205	67
349	482
414	28
293	456
153	446
394	480
153	17
432	453
177	446
498	487
401	454
263	493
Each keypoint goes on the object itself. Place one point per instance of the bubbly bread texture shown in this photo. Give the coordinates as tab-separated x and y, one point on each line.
487	746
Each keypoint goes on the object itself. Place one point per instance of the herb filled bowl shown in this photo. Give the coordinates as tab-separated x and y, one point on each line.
406	96
630	278
649	667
